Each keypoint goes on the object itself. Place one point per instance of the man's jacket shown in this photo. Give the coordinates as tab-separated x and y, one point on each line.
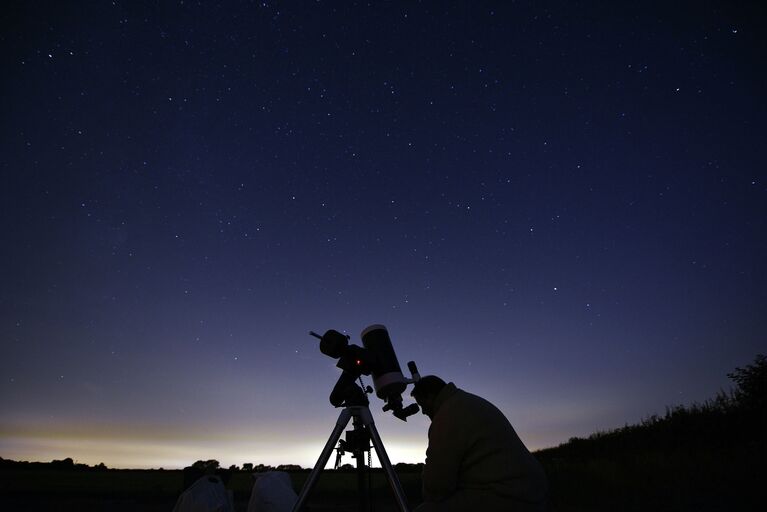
475	452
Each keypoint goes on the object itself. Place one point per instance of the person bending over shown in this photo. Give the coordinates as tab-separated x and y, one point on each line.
475	460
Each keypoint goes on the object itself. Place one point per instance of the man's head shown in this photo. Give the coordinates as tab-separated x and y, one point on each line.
425	393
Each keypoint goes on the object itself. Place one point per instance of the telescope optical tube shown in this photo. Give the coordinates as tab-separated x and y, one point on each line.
388	380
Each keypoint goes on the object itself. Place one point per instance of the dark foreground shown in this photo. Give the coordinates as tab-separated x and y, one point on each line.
646	483
135	490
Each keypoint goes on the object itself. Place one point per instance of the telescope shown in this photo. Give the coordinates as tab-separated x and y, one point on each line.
376	356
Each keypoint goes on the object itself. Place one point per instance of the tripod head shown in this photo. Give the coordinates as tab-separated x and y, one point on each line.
347	392
375	357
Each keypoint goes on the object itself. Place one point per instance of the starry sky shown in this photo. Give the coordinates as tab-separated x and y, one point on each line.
559	206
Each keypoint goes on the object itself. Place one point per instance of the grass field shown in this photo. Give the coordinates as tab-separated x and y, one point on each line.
50	489
657	481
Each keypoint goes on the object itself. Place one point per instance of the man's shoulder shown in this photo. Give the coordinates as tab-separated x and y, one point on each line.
456	399
444	396
465	403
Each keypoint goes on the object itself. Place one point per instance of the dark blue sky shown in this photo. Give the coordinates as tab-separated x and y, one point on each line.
558	206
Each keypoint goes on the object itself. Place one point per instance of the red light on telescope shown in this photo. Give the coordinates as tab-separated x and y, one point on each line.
359	362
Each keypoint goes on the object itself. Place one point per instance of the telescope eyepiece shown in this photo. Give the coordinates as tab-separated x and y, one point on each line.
407	411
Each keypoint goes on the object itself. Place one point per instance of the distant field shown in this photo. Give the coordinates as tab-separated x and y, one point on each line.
50	489
702	458
623	481
135	490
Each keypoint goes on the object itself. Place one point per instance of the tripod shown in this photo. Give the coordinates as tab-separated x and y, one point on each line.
363	420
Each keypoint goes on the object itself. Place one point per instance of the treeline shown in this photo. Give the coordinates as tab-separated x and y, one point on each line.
199	467
213	466
66	464
729	420
701	457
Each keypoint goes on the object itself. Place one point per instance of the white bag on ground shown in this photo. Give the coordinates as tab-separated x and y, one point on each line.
272	492
207	494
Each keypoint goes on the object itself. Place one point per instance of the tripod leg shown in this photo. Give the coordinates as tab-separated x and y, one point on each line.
362	436
394	482
343	420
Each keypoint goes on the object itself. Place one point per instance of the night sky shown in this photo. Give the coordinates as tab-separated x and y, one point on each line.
558	206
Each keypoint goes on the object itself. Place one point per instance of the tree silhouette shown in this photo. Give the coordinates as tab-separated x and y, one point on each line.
67	463
751	380
206	465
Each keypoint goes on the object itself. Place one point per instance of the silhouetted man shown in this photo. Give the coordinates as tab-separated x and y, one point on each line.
475	460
